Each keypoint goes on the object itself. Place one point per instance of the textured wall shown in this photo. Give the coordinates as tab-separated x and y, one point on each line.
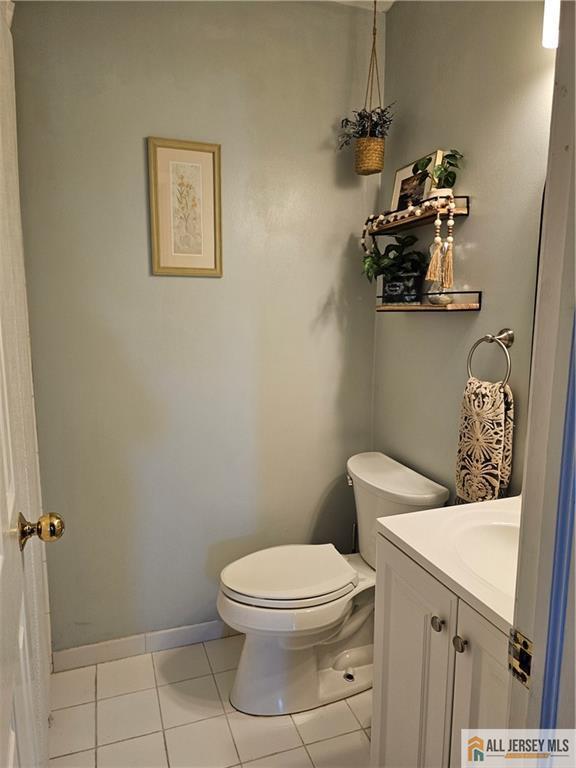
184	422
471	76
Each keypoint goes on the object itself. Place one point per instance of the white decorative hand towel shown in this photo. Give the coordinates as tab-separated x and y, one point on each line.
484	461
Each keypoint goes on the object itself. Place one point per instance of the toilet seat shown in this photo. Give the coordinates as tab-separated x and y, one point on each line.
292	576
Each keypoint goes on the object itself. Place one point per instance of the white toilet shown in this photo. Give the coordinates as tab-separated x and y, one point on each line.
307	611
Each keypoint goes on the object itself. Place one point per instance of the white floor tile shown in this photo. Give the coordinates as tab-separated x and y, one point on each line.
125	717
144	752
259	736
178	664
295	758
72	730
78	760
225	681
201	745
189	701
224	653
325	722
350	751
361	705
73	687
115	678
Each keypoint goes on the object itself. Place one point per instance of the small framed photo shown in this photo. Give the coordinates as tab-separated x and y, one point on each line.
185	215
408	188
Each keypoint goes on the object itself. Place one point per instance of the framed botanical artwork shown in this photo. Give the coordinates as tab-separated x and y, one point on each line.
408	188
185	214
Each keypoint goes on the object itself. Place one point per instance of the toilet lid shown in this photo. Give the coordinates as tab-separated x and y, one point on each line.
311	574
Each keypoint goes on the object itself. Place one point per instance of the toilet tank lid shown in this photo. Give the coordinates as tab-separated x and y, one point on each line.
394	481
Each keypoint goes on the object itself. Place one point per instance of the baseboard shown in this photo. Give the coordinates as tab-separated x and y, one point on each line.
120	648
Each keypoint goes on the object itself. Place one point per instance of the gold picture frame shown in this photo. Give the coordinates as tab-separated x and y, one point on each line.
406	186
185	207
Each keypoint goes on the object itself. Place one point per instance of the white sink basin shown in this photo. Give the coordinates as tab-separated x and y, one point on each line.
472	548
490	550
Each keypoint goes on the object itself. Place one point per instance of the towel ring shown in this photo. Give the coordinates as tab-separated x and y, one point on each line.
504	339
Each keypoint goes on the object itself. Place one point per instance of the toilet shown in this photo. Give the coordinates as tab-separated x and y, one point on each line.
307	611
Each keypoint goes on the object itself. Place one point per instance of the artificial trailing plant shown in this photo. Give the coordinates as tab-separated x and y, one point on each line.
365	124
399	264
443	175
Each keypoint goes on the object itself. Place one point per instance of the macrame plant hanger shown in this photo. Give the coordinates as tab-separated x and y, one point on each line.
373	73
370	149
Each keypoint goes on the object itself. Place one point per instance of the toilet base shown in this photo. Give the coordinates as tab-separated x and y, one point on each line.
273	680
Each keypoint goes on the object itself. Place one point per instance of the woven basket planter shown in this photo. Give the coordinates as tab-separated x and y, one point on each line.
369	154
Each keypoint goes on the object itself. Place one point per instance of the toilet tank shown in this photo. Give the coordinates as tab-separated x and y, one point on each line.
384	487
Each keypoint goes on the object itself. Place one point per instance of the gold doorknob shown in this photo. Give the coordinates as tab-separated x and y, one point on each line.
49	527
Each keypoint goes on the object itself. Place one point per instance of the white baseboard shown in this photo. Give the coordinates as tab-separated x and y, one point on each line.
110	650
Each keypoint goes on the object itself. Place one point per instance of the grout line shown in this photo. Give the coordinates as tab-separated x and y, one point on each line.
128	738
76	752
335	736
185	680
160	711
309	756
194	722
208	657
297	729
354	714
95	715
73	706
225	714
127	693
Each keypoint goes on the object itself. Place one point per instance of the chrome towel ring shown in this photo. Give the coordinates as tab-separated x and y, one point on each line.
504	339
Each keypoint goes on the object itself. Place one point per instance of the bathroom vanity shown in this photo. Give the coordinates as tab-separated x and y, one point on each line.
445	582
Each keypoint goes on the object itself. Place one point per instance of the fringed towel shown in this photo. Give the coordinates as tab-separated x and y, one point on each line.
484	460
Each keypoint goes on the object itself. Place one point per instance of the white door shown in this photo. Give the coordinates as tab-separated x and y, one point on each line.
413	671
23	644
548	388
481	679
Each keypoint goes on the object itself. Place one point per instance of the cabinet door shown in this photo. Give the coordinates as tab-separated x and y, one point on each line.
413	664
482	679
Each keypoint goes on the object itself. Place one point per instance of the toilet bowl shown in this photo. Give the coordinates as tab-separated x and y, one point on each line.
307	611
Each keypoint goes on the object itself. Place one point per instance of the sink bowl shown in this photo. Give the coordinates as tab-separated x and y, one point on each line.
471	548
490	550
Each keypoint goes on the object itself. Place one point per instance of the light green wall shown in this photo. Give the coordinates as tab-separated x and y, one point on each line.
184	422
473	76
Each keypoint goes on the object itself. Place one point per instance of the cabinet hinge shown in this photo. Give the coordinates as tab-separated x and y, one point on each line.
520	657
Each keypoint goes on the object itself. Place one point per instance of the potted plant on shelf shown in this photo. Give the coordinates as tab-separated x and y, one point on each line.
402	269
443	175
368	128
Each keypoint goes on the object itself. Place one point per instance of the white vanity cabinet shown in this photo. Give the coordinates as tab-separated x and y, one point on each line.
481	677
439	666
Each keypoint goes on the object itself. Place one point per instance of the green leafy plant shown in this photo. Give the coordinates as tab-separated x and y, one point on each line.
444	174
397	263
365	123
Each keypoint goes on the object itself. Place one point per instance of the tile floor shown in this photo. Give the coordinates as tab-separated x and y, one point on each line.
170	709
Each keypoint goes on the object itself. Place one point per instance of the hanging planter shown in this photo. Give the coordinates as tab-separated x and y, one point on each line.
370	124
369	155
